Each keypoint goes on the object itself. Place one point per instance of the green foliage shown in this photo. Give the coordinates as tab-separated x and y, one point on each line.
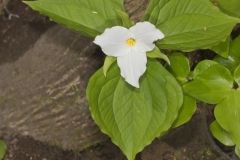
90	17
134	117
3	149
234	48
227	115
231	62
156	53
180	68
237	151
233	58
189	24
202	67
223	48
108	63
211	83
237	75
126	21
220	134
231	7
187	110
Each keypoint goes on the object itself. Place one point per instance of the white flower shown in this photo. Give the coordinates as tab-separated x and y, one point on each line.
130	47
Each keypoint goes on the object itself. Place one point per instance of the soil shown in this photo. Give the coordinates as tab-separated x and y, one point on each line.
189	142
26	148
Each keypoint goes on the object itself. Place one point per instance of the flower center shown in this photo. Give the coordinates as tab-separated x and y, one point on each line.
131	42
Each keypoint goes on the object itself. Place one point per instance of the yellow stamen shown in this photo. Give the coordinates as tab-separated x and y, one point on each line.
131	42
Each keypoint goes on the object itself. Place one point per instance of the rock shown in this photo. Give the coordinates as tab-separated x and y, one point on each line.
43	92
136	8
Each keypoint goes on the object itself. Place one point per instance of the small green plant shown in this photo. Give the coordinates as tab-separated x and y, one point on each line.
3	148
134	98
217	82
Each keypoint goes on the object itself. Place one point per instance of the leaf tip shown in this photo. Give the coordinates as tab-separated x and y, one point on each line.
28	2
104	73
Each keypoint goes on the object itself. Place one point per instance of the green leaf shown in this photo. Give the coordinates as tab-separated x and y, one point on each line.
237	75
108	63
223	48
90	17
211	84
202	67
237	151
126	21
231	62
3	149
235	47
227	115
180	66
188	109
220	134
154	6
134	117
231	7
156	53
189	24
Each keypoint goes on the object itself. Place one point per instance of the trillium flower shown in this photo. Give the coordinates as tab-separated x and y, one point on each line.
130	47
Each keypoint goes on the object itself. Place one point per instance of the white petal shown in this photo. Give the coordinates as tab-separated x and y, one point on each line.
132	66
144	47
113	41
145	34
